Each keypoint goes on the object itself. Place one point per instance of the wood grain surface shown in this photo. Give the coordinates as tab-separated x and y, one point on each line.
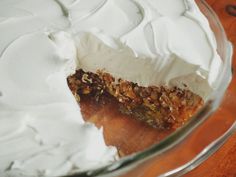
223	162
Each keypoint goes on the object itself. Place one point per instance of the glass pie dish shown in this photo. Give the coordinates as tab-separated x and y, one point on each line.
190	145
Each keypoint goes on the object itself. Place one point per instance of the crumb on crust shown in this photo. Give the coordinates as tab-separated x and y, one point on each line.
160	107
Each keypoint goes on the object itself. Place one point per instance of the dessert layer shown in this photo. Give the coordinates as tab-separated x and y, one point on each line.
160	107
39	118
170	71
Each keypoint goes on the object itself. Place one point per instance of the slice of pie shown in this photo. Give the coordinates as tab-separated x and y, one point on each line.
164	91
160	107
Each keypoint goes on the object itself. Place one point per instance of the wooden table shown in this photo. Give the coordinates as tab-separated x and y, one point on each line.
224	159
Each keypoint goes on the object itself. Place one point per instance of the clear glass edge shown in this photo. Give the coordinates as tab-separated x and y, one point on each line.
203	155
129	162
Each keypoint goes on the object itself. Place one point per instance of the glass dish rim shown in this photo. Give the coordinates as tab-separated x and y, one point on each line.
179	135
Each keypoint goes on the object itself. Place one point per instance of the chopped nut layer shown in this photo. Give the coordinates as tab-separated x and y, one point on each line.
159	107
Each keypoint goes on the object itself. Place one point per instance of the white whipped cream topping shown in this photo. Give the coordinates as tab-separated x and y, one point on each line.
42	132
151	42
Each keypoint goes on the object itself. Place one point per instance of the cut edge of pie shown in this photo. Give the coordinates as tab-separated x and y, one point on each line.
158	106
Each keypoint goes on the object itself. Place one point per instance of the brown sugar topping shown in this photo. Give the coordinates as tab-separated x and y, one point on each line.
160	107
